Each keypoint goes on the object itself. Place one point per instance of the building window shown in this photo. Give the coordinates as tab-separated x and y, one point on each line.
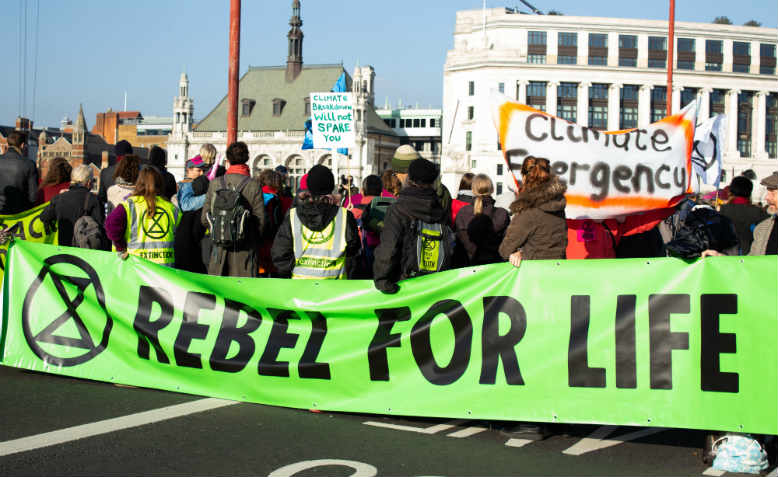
744	115
499	146
423	122
628	62
469	141
566	60
598	60
714	57
308	106
628	51
432	123
471	88
685	65
567	97
771	142
470	112
536	94
246	106
499	169
536	59
628	41
501	88
417	123
567	90
657	52
473	164
598	106
568	39
688	95
598	40
716	104
567	111
499	188
278	106
536	38
741	57
598	91
658	103
686	53
767	60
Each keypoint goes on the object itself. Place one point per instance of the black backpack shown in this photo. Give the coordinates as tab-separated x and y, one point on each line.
87	233
229	214
702	229
428	248
375	212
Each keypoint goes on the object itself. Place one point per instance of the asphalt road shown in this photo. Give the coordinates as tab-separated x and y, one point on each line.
52	425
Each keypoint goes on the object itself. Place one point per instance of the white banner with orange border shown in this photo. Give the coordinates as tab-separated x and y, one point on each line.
608	173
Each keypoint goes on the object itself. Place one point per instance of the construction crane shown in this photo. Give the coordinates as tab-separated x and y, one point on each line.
531	7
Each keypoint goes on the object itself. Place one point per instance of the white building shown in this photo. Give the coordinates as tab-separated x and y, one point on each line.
418	127
274	103
606	73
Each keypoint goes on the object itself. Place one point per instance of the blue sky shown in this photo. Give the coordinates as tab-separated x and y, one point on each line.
91	51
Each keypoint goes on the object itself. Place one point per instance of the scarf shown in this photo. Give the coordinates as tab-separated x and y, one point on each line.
241	169
739	200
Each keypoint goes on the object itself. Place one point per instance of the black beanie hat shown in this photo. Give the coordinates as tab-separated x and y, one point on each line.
422	171
320	180
122	148
200	185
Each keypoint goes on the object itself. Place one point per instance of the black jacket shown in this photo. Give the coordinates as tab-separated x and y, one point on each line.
412	203
745	217
18	183
67	207
315	216
500	219
106	181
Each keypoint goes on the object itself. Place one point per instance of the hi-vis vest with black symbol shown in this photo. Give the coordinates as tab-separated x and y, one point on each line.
319	255
151	237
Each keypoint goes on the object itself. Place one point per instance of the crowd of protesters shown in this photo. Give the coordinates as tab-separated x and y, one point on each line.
222	221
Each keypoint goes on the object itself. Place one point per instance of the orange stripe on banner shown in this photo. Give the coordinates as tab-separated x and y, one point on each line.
643	203
506	110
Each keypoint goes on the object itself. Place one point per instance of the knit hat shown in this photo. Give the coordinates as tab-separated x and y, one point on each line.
741	187
196	162
282	170
403	157
422	171
122	148
320	180
771	182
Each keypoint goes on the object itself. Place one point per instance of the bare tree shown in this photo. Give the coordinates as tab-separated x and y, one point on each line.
722	21
752	23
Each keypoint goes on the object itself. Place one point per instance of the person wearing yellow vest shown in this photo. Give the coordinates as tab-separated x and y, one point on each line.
135	230
317	239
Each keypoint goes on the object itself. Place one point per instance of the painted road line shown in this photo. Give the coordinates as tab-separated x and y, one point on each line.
467	432
596	440
518	442
421	430
75	433
714	472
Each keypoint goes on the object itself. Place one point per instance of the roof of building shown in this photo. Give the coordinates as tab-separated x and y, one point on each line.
266	84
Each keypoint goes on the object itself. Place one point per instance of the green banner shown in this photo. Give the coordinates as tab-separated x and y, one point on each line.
24	226
627	342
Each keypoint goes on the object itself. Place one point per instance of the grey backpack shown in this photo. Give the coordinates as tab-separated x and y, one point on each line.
87	233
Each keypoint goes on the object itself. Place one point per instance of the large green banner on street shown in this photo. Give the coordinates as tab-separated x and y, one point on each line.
658	342
26	225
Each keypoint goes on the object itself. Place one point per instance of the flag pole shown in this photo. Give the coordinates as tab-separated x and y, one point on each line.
670	49
234	68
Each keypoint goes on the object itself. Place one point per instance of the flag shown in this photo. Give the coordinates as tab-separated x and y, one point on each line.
308	141
706	154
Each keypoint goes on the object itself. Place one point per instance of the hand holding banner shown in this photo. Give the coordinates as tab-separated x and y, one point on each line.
608	173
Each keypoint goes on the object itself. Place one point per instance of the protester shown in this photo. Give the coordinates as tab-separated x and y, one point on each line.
145	224
416	217
464	196
766	233
107	175
235	214
208	155
158	160
191	245
66	208
285	192
538	229
371	188
275	210
272	183
371	193
18	177
125	175
743	214
57	179
391	184
482	189
318	239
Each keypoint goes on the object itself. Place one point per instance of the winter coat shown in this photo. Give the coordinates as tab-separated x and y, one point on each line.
18	183
242	260
500	219
745	217
457	204
67	207
315	216
538	226
106	181
45	194
118	193
762	236
390	265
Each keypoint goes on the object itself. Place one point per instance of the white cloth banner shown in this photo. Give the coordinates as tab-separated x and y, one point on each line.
608	173
706	155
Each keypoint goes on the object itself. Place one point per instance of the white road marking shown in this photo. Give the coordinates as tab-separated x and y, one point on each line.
518	442
467	432
714	472
596	440
69	434
360	468
421	430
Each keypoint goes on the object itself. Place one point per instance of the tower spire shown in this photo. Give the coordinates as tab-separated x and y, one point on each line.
294	61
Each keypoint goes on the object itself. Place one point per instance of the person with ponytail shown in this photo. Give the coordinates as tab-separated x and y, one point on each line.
144	224
537	230
482	242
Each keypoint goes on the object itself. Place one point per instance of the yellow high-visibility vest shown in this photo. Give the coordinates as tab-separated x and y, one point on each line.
151	237
319	255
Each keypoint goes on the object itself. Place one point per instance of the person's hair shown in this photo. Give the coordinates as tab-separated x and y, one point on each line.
128	168
482	187
158	157
371	185
466	182
270	178
238	153
81	175
535	171
16	139
59	172
208	153
391	182
741	186
148	186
